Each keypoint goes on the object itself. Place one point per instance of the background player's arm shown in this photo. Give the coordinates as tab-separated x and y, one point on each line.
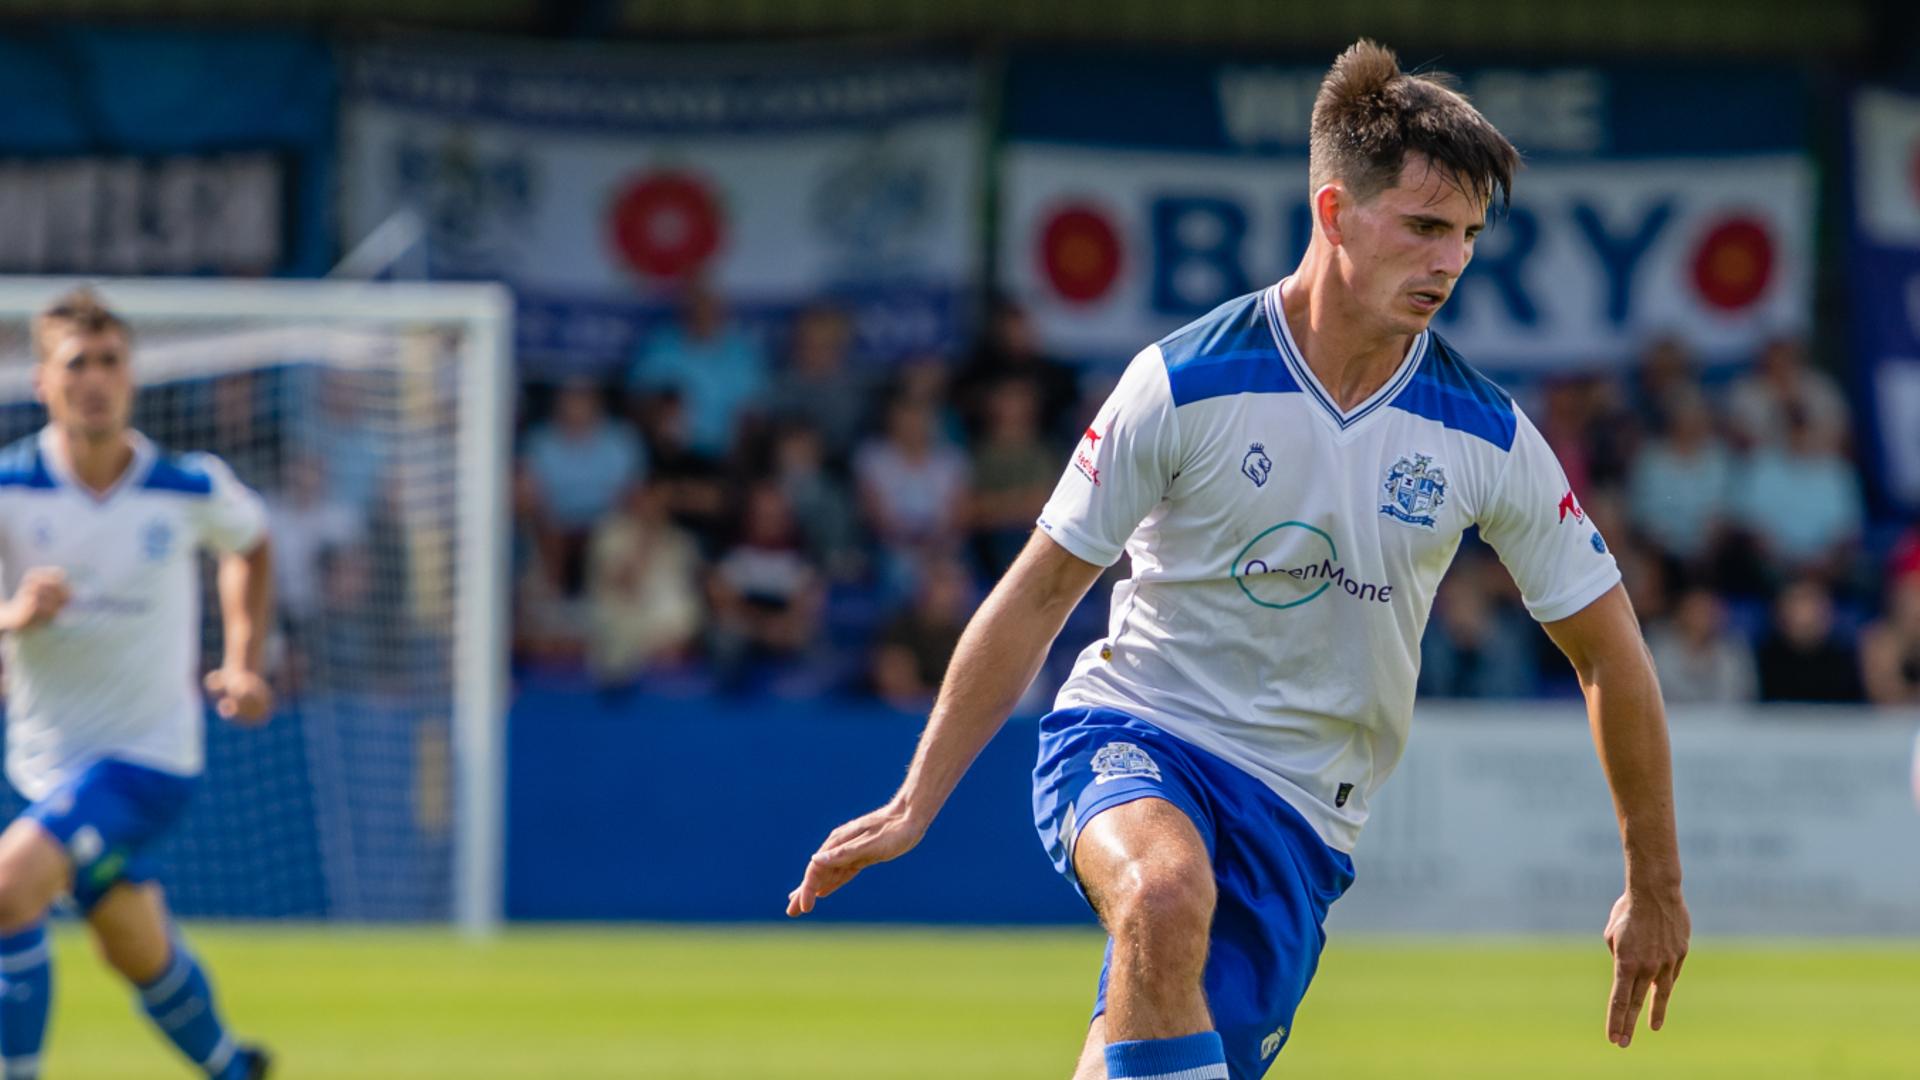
42	593
998	656
1649	926
239	688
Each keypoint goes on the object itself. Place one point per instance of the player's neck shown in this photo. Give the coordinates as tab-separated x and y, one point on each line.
97	463
1351	360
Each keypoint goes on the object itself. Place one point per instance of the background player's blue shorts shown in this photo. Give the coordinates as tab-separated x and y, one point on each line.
1276	877
106	817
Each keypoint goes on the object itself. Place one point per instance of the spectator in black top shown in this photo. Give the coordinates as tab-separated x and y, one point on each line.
1803	657
911	655
1010	349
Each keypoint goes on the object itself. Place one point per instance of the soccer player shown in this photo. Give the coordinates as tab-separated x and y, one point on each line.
99	539
1291	476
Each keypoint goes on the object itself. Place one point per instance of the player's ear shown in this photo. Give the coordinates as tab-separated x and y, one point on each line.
1328	201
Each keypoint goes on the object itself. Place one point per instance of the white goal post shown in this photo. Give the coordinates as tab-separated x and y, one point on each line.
401	392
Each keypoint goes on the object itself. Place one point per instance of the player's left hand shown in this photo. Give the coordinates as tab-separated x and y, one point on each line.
240	695
1648	935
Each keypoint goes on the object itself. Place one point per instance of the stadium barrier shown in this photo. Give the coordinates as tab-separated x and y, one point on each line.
1792	821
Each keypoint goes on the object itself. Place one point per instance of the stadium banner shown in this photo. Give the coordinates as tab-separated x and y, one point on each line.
217	159
1137	195
598	182
1884	282
1792	821
1498	820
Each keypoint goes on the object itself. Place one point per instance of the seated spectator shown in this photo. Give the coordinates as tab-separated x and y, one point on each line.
1890	648
1804	658
718	370
1701	661
1475	647
820	502
911	482
1666	368
694	484
1781	383
818	389
1679	485
643	589
1010	348
1801	501
1013	474
910	655
579	463
766	596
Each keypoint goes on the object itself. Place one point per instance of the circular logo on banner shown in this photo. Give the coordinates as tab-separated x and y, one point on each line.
1734	263
1080	252
666	224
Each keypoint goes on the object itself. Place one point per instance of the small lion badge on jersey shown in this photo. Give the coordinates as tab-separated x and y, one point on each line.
1415	488
1122	760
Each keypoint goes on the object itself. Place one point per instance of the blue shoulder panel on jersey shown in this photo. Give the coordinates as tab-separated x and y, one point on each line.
22	466
178	474
1448	390
1229	350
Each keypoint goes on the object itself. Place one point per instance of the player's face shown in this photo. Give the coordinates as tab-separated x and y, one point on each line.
86	382
1407	246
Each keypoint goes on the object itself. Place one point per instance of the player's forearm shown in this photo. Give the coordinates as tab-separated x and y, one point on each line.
1630	732
998	656
246	591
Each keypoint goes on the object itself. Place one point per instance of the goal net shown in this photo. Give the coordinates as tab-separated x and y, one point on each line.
372	419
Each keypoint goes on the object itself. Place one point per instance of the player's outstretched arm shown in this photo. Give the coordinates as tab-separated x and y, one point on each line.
1649	928
239	688
999	654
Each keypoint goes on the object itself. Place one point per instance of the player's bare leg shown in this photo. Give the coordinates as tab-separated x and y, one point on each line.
1147	872
134	932
1093	1056
33	873
130	929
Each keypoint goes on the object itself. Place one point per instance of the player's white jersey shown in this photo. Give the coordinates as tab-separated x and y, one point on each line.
114	673
1285	553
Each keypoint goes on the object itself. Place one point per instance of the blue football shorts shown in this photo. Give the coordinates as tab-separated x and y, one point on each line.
1276	878
106	817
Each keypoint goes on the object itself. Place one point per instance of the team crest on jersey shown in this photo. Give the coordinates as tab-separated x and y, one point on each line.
156	540
1120	760
1415	488
1257	465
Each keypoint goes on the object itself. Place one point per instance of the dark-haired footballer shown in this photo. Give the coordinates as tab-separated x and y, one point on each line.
1291	476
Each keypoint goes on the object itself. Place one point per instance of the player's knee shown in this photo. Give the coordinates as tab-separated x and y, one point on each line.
22	903
1158	900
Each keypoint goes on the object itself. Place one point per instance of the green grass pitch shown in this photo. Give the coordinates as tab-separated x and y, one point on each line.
807	1002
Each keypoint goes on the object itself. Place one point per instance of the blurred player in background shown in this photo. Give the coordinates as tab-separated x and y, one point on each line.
100	534
1291	476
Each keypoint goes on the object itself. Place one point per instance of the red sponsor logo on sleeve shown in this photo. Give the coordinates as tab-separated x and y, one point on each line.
1570	505
1083	459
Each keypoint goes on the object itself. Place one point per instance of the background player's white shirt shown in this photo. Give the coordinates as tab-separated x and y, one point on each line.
114	674
1285	554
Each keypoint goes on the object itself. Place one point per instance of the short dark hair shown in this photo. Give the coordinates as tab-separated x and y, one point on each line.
1369	115
80	310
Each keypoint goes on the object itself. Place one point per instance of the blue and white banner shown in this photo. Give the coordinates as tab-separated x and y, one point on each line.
1884	283
596	182
1649	206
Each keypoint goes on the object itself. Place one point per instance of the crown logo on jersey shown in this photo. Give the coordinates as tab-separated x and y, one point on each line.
1415	487
1257	466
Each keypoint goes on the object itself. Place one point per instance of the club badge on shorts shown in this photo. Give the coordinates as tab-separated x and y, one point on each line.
1121	760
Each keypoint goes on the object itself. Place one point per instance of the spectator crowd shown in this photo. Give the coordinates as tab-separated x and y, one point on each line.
749	515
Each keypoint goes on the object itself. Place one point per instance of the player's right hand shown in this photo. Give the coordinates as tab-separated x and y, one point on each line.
886	833
43	592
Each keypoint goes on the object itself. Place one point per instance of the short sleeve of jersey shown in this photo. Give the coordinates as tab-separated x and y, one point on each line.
232	518
1121	469
1542	534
